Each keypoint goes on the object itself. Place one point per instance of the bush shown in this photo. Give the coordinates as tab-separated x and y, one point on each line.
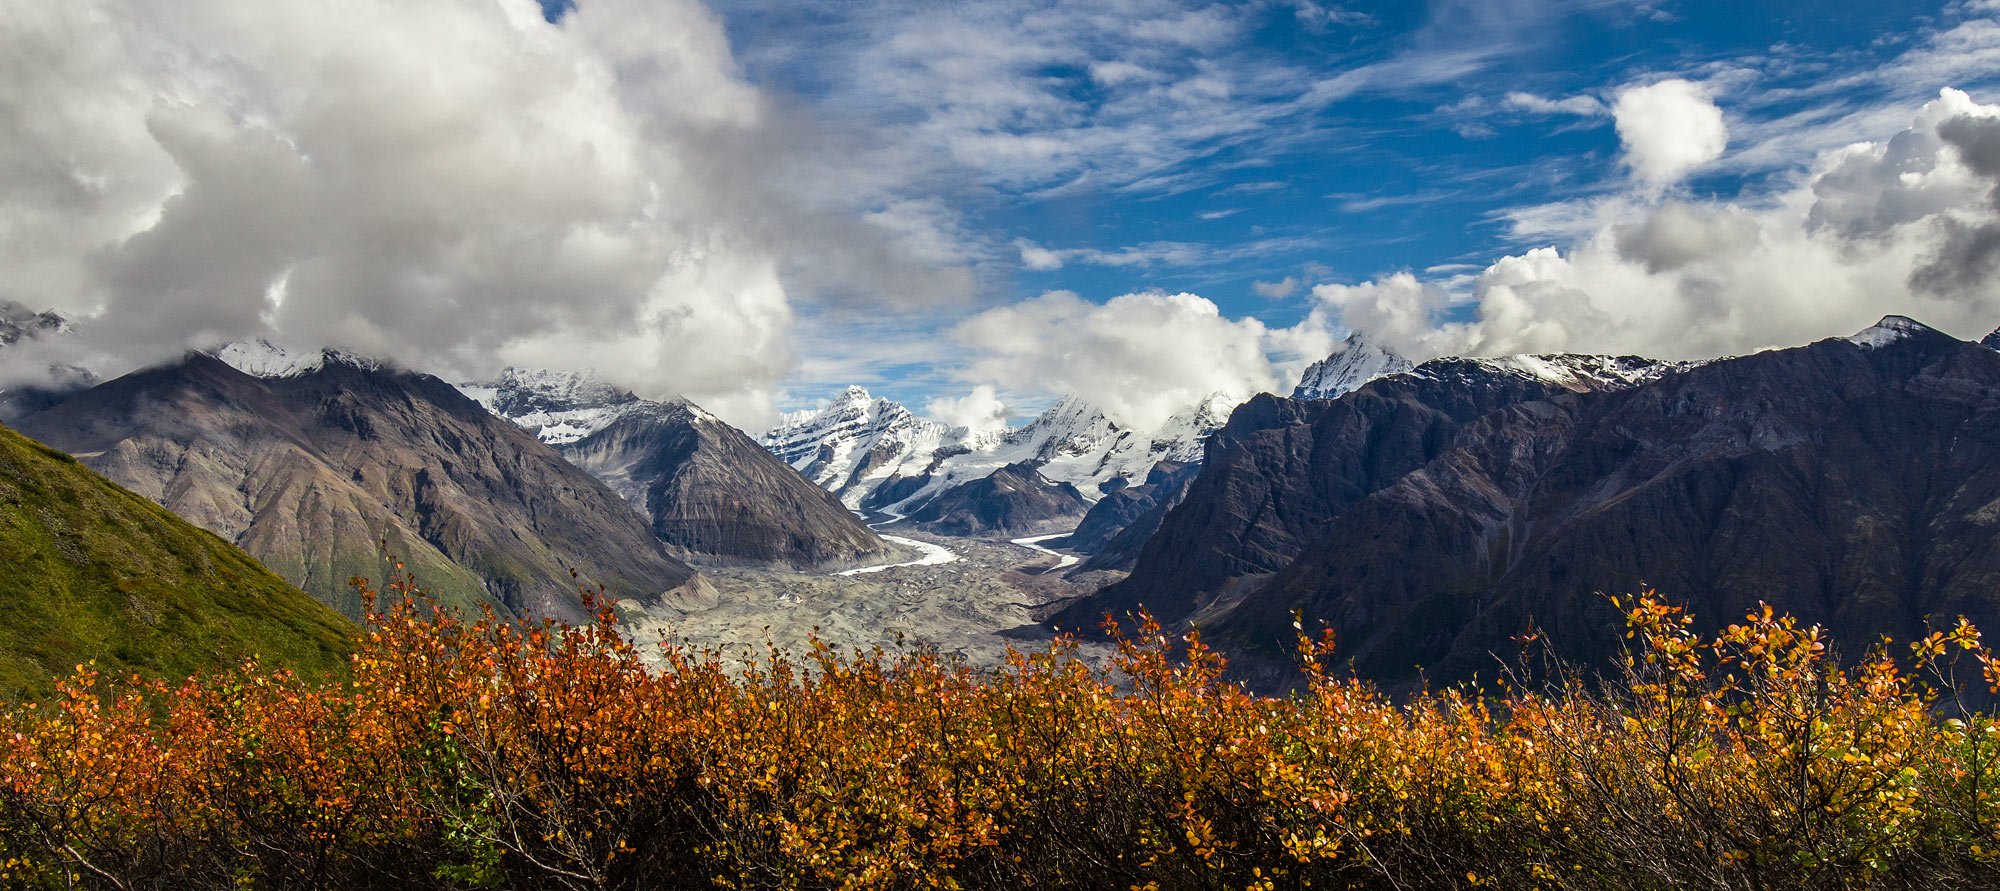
477	752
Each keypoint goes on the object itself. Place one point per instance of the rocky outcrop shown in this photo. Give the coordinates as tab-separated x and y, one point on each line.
316	471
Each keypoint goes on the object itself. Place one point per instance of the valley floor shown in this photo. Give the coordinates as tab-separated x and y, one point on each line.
974	606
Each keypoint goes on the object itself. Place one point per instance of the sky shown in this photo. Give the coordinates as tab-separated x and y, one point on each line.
973	208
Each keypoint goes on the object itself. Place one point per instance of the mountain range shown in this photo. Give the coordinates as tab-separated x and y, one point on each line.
321	463
703	486
878	455
1432	516
1428	512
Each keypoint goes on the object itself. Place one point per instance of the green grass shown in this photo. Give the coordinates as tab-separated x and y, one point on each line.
90	571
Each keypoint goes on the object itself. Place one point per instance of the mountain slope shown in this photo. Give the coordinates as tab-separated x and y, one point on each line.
706	487
1117	526
1014	500
1281	468
1854	483
96	572
314	469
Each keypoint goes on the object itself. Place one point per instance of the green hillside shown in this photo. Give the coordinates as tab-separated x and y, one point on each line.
89	570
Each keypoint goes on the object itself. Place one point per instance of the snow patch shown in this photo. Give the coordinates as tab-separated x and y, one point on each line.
262	358
1888	331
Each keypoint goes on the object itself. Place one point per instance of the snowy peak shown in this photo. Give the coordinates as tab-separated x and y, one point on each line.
856	442
1356	362
560	406
18	321
877	452
1581	373
262	358
1892	328
1068	428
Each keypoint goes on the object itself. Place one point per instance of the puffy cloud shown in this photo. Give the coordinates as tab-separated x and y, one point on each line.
1140	357
1668	129
1909	225
980	411
455	184
1398	309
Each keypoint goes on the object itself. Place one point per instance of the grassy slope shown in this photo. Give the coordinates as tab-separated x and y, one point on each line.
89	570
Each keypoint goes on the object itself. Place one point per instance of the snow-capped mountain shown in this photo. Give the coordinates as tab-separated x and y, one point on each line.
1888	331
1356	362
1571	371
34	379
560	406
702	485
18	321
876	453
262	358
857	442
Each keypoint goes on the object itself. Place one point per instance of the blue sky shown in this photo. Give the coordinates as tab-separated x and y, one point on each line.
1246	152
974	208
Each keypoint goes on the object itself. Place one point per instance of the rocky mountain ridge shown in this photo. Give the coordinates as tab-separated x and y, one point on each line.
315	468
1431	516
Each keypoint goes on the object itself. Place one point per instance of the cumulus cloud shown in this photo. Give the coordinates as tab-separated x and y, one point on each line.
1668	129
1139	357
1908	225
455	184
981	411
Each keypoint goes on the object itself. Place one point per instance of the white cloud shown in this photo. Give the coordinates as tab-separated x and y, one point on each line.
1140	357
1908	225
1668	129
1582	106
1036	257
1398	309
980	411
1277	290
455	184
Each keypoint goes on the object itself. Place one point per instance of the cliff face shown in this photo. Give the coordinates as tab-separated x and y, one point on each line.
707	488
316	472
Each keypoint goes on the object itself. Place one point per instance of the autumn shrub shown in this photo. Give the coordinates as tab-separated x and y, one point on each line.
473	751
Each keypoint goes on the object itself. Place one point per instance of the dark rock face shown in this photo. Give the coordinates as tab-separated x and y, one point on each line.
1281	467
1014	500
1854	483
312	473
1120	522
707	488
